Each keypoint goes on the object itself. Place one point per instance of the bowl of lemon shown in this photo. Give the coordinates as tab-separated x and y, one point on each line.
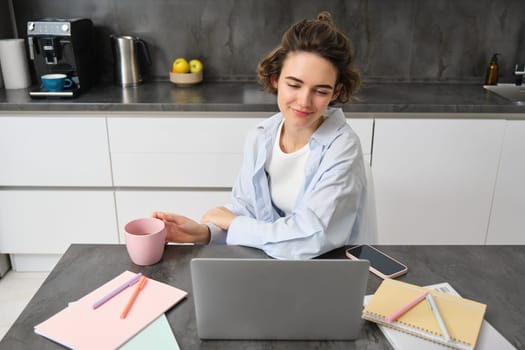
186	73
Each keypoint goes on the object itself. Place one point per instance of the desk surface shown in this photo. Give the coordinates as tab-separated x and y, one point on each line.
494	275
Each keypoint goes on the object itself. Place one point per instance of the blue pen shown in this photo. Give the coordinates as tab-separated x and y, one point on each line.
114	292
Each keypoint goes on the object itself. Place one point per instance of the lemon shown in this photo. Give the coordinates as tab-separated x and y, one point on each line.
180	65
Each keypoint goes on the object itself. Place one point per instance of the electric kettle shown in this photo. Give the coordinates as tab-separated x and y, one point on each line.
131	54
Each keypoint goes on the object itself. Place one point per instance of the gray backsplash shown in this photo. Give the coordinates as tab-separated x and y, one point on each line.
402	40
6	30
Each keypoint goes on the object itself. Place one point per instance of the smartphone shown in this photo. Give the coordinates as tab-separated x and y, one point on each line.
381	264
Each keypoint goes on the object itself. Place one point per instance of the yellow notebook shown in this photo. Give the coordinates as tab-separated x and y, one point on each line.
462	317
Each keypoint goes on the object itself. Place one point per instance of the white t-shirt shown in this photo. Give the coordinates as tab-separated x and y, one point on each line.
286	172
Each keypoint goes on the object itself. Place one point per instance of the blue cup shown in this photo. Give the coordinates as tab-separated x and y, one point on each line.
56	82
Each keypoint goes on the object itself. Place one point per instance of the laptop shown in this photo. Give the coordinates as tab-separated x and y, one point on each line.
278	299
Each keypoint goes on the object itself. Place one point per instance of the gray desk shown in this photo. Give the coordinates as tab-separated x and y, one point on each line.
494	275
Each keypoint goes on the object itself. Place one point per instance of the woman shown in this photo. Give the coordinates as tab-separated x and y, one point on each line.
302	186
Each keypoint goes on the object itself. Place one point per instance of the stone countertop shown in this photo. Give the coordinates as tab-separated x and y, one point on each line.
248	97
492	275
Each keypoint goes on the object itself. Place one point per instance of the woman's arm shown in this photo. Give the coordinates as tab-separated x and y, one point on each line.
322	222
323	219
181	229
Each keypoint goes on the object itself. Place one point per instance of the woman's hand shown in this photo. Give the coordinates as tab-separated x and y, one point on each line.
181	229
220	217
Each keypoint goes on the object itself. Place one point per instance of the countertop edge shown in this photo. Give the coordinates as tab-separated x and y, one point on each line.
406	99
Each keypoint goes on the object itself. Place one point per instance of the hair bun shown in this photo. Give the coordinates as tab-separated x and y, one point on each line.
325	16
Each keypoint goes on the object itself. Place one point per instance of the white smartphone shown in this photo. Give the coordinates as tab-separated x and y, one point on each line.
381	264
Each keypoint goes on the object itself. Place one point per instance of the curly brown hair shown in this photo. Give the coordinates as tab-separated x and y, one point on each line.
319	36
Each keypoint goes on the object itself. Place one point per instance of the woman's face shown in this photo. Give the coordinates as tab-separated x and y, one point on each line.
305	87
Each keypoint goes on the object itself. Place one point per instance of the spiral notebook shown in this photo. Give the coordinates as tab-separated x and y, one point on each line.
489	338
463	317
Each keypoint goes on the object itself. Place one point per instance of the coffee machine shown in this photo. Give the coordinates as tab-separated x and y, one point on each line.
64	46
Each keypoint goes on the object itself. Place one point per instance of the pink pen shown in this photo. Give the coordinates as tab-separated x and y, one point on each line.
394	316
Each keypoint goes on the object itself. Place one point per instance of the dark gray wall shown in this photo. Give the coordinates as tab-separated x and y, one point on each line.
402	40
6	30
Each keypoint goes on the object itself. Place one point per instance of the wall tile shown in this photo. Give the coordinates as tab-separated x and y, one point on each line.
403	40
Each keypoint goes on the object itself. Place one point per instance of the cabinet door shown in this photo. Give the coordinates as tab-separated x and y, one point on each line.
201	151
50	151
47	222
434	179
507	221
190	203
363	125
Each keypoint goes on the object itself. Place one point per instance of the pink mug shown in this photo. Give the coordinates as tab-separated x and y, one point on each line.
145	240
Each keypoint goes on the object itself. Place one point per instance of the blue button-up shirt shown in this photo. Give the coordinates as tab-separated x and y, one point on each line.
329	207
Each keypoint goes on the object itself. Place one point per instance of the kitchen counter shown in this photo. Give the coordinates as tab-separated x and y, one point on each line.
245	96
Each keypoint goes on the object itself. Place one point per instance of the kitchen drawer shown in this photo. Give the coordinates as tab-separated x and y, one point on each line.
197	151
177	152
193	204
54	151
47	222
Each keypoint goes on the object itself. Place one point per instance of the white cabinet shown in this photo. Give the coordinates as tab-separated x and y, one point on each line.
202	150
80	178
48	221
434	179
507	220
54	151
363	125
190	203
179	163
196	151
53	169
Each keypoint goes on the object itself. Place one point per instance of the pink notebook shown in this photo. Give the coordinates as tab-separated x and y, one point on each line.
78	326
